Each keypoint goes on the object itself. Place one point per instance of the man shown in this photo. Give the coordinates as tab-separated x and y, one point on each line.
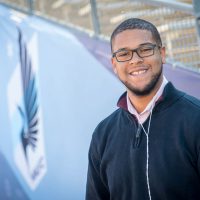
149	148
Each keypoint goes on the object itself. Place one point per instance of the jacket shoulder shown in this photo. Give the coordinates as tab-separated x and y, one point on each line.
109	121
192	101
111	125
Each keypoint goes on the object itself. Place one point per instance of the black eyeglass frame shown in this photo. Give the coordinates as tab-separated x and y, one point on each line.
136	50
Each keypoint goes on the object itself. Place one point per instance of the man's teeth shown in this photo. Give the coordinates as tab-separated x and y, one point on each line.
139	72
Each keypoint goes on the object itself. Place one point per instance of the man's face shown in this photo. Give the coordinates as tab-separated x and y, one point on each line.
141	76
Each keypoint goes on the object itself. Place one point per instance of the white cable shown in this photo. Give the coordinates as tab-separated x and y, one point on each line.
147	161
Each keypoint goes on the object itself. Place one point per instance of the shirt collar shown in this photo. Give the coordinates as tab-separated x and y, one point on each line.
145	113
168	97
151	104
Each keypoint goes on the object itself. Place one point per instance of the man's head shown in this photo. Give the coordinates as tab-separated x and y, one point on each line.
136	23
138	56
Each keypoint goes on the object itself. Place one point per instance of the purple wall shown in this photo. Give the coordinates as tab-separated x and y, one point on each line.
183	79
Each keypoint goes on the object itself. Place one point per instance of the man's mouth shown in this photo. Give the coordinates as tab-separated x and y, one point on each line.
136	73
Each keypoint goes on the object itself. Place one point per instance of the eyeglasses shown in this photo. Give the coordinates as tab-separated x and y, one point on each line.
143	51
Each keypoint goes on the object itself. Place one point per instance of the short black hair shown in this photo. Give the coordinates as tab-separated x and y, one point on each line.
136	23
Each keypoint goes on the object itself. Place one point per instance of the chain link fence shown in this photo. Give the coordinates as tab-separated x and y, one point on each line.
176	23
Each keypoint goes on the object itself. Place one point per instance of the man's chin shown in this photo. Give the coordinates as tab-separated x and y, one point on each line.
141	92
147	87
144	91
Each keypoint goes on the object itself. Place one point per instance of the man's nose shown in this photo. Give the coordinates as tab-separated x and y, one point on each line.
135	58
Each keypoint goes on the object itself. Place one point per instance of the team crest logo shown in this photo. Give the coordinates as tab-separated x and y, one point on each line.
25	114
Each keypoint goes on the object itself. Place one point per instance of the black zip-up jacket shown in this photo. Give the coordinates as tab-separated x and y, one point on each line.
118	159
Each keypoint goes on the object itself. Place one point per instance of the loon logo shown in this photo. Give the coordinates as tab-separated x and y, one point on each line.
29	116
26	117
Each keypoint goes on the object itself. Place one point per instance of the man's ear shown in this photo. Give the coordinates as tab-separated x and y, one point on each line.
163	54
113	61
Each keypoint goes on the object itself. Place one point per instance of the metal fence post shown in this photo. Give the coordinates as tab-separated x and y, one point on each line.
95	19
196	8
30	5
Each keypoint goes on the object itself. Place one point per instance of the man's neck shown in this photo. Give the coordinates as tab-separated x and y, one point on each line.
141	102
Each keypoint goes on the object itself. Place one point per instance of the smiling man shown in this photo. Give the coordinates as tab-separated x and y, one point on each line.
149	147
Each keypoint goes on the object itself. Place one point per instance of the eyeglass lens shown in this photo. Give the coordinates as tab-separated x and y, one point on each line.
142	51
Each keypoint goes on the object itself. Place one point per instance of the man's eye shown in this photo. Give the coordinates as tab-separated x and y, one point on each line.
146	49
123	54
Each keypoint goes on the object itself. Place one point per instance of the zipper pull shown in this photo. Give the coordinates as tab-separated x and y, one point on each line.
137	136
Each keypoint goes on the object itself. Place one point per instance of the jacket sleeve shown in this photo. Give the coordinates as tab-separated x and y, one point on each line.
95	188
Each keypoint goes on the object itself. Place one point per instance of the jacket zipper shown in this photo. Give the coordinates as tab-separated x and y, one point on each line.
138	132
137	136
136	145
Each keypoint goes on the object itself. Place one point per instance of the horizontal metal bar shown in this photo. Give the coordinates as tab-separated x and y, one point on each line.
169	3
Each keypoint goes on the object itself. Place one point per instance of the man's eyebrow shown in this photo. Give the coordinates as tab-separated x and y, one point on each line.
147	43
127	48
122	49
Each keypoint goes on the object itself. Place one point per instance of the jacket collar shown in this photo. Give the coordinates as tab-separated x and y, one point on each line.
169	96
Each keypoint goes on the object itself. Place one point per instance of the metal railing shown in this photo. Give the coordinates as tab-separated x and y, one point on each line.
177	21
